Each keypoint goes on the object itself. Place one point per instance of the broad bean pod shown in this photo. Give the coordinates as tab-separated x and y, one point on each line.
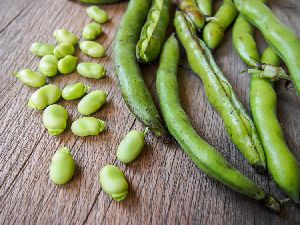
31	78
63	50
213	32
62	166
92	48
91	31
154	31
74	91
87	126
42	49
207	158
67	64
205	7
113	182
48	65
92	102
221	96
281	38
91	70
131	146
55	119
282	164
44	96
134	90
189	7
97	14
100	1
65	36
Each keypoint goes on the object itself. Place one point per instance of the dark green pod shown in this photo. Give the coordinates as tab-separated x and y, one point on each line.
213	32
132	85
154	31
282	164
221	96
208	159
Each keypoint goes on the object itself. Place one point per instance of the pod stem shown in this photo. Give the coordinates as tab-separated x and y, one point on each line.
210	18
273	203
269	72
145	131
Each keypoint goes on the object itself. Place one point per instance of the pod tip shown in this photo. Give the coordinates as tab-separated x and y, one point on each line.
273	204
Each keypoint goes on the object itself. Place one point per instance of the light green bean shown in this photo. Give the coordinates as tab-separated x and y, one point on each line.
131	146
42	49
55	119
74	91
91	31
31	78
91	70
48	65
62	166
65	36
92	48
92	102
97	14
67	64
63	50
113	182
87	126
44	96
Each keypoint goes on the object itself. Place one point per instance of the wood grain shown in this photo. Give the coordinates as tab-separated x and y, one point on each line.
165	186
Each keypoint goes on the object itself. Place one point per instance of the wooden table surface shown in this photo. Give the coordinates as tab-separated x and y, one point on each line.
165	186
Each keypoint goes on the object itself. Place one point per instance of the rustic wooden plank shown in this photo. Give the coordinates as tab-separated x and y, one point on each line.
165	186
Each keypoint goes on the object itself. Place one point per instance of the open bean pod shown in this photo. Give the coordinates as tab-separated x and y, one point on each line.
153	32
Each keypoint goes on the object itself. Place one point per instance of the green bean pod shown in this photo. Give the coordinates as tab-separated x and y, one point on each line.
42	49
282	164
134	90
221	96
189	7
213	32
244	42
44	96
87	126
154	31
205	7
74	91
131	146
62	166
31	78
113	182
97	14
92	102
281	38
207	158
55	119
100	1
48	65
